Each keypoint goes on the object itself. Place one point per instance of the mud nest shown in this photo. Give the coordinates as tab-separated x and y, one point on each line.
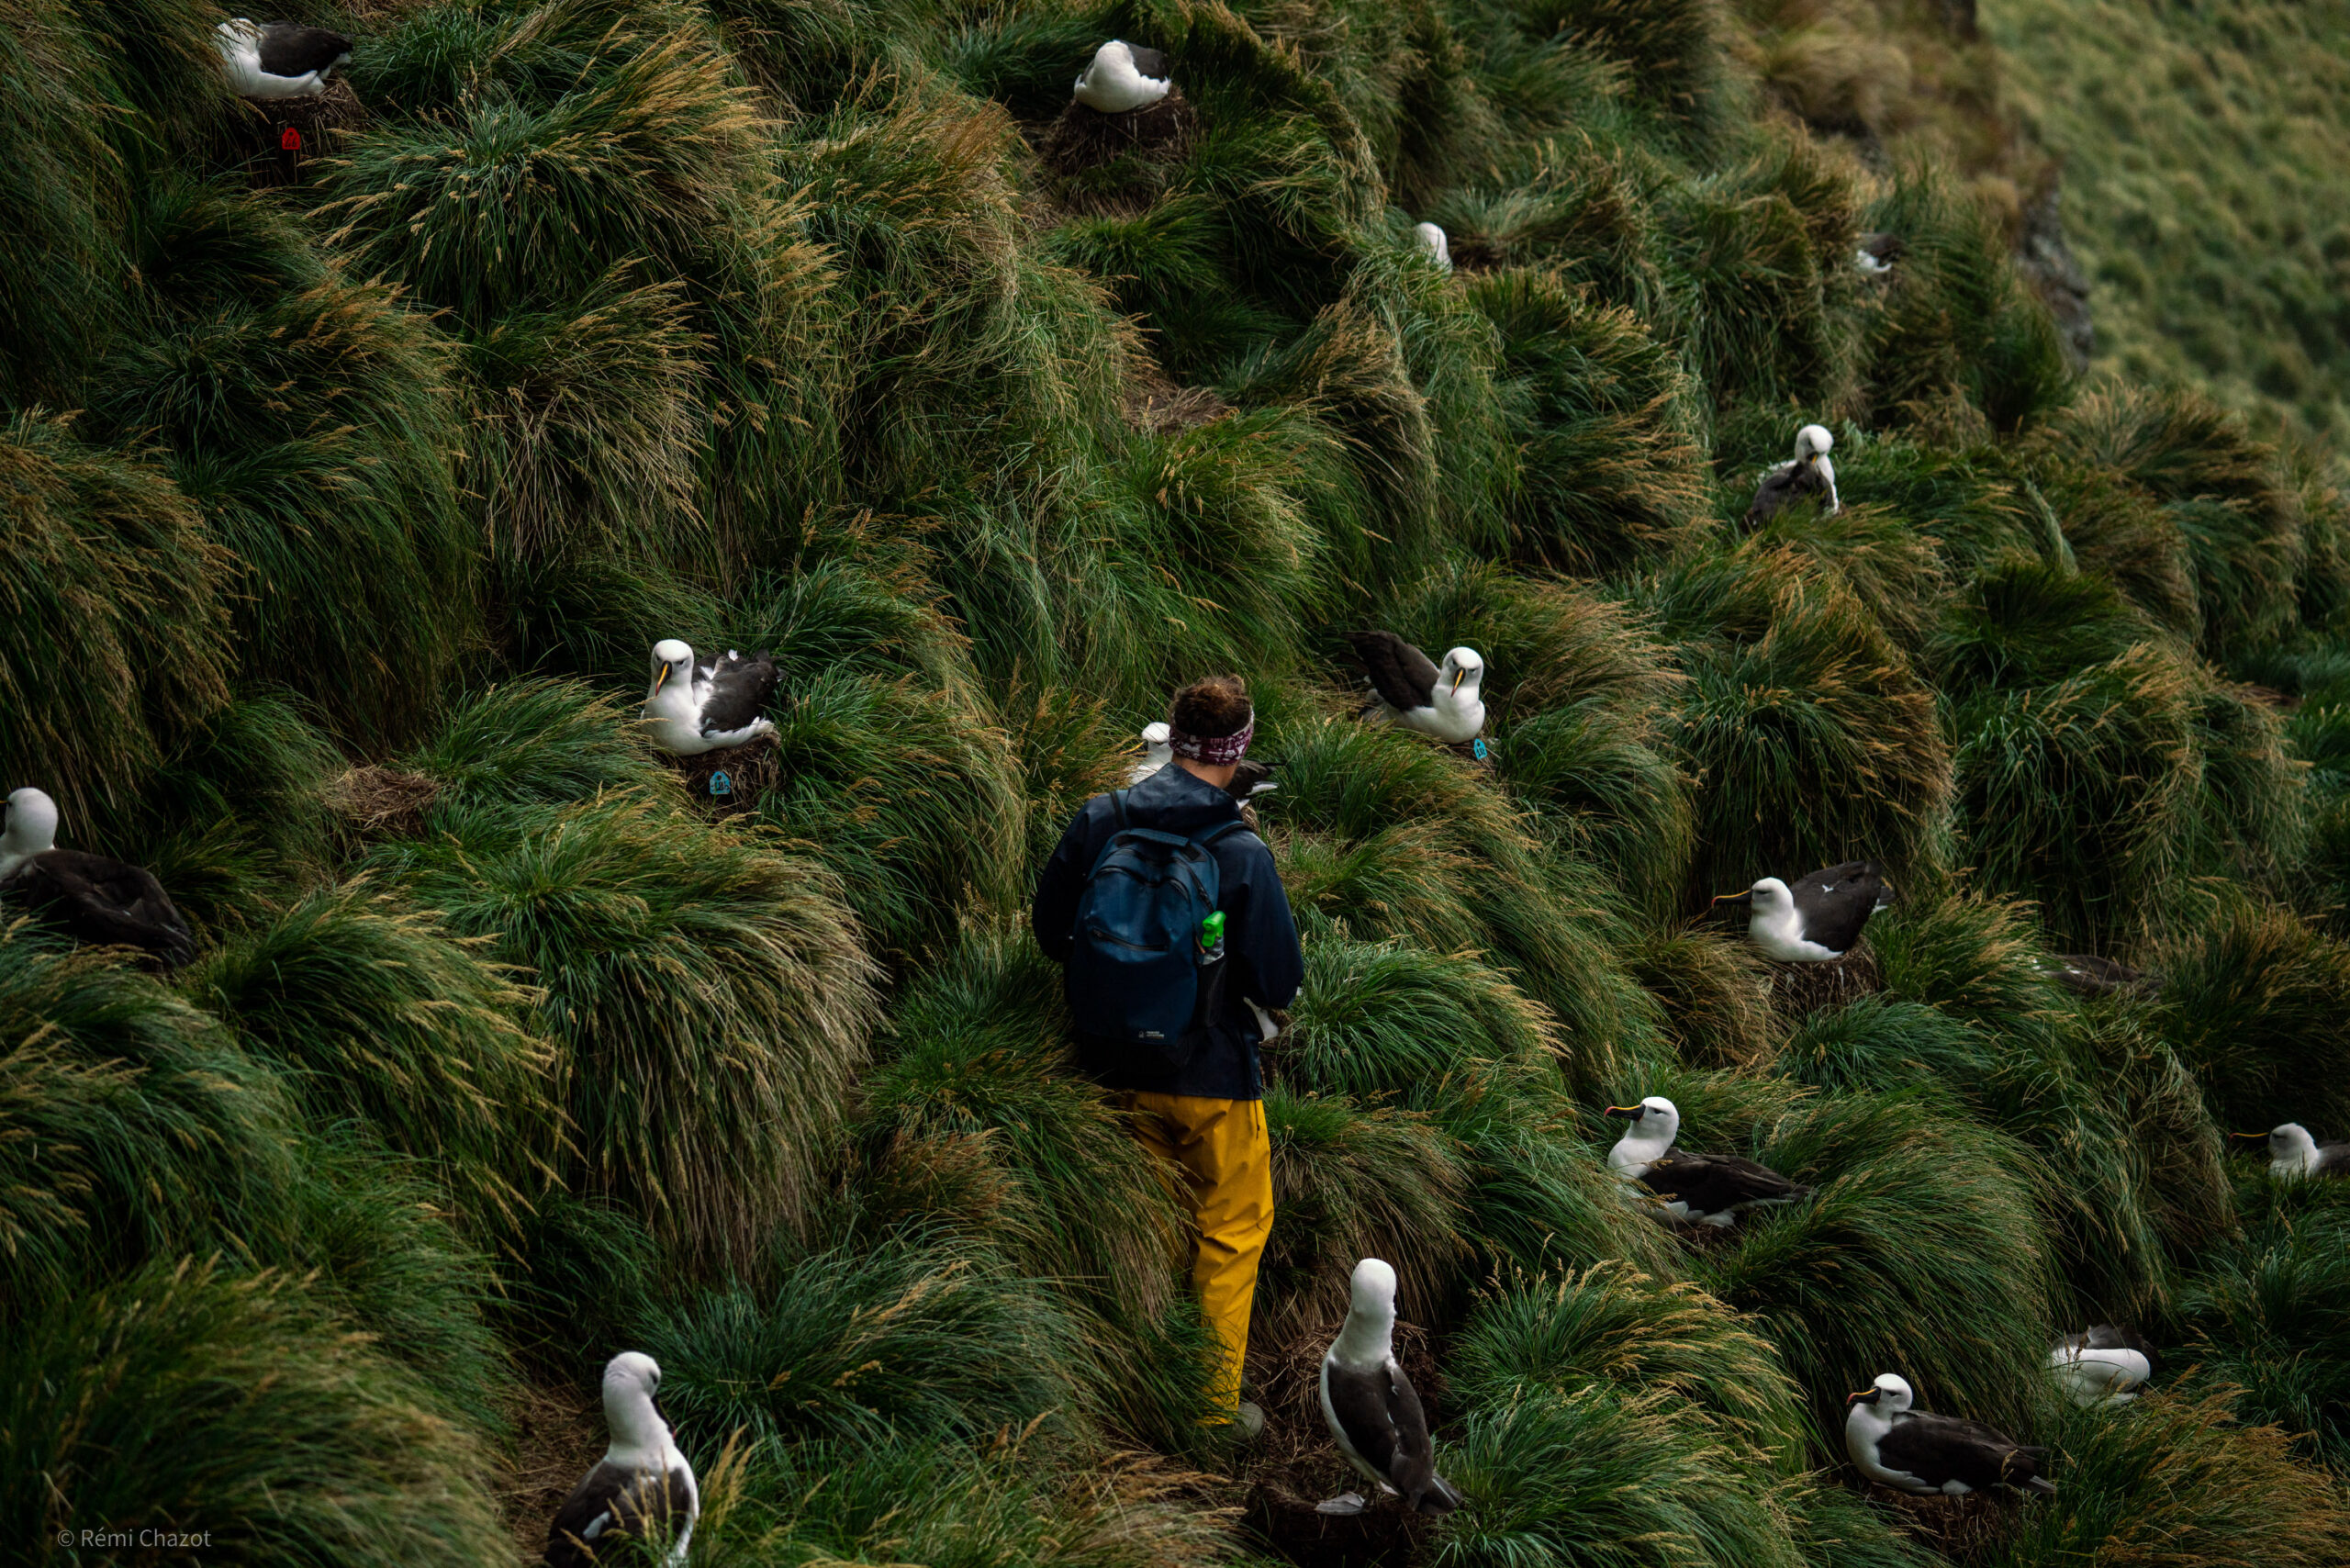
1152	401
382	803
1798	990
319	127
751	771
1296	1465
1963	1529
1084	142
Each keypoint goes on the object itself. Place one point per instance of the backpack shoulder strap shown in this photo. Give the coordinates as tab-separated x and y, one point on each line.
1203	840
1118	808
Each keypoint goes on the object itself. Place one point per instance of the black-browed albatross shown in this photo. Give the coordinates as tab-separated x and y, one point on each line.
1410	689
96	899
643	1486
701	706
1374	1413
2292	1153
1818	919
1123	77
2100	1365
1918	1452
1711	1188
1811	473
278	60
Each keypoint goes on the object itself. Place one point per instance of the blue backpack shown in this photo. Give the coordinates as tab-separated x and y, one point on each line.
1136	973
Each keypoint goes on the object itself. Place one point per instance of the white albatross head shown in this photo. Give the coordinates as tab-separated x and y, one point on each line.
631	1379
1656	1121
1456	680
28	827
1813	443
1888	1396
1369	1333
672	660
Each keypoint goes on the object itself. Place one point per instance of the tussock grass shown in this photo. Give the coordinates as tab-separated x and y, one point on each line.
1352	1181
186	1400
916	1336
2175	1482
2269	1326
1816	741
536	743
1716	989
377	1015
1377	1020
1613	1328
109	569
951	1506
909	795
975	1069
705	991
2250	999
1919	1252
131	1126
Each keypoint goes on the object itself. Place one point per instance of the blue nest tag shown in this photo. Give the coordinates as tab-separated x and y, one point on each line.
1477	747
721	784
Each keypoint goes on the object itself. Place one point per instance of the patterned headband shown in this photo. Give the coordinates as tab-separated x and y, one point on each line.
1215	750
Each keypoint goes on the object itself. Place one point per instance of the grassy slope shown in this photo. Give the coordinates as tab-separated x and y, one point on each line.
2206	149
801	325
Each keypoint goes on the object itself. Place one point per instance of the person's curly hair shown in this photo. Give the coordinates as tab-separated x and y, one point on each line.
1216	706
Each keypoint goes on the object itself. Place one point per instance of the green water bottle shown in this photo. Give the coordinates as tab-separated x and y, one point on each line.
1212	931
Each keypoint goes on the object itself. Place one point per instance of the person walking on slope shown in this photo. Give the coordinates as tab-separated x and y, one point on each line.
1174	935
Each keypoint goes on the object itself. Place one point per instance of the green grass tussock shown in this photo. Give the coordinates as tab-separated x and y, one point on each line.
343	491
705	992
185	1400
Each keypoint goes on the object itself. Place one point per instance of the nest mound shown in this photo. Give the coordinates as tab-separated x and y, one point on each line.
1151	400
317	127
383	802
1087	141
1798	990
750	771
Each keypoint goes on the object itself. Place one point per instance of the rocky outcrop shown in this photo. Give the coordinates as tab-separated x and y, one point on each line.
2047	262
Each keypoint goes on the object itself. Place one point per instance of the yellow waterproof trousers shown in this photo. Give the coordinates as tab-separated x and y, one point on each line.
1227	1159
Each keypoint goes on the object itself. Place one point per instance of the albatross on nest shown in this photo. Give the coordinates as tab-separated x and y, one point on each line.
694	708
2100	1365
1916	1450
1123	78
278	60
97	900
1818	920
641	1479
1415	693
2293	1153
1711	1188
1878	251
1373	1411
1811	473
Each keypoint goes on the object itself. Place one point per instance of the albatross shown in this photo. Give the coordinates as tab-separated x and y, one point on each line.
1811	473
641	1480
697	707
1375	1416
1123	78
278	60
1157	751
1710	1189
1916	1450
1433	242
2100	1365
1818	920
2292	1153
98	899
1413	692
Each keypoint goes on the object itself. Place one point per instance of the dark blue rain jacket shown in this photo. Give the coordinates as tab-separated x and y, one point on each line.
1260	937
